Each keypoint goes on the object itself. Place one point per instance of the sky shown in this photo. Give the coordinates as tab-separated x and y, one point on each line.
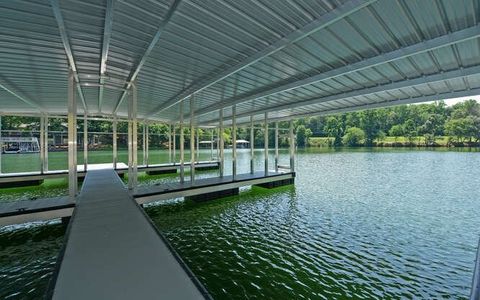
453	101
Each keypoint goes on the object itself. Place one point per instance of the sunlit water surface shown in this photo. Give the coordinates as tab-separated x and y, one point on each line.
358	223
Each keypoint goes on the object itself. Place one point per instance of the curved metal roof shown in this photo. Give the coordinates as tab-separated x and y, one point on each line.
288	58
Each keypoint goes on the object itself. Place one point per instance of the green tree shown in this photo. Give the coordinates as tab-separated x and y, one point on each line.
303	134
410	130
334	128
354	136
396	131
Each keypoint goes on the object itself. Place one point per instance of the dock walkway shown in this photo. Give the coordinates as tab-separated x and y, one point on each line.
114	252
206	186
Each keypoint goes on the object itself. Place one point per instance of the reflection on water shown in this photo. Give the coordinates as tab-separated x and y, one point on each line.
363	224
28	254
360	223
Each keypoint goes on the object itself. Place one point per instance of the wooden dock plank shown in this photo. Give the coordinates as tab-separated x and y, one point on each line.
114	252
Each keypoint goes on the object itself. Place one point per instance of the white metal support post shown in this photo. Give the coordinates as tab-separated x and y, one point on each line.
174	154
198	145
211	144
234	141
182	143
45	138
85	142
1	143
132	139
72	137
147	143
144	144
276	146
42	143
114	144
192	140
265	141
292	147
252	145
170	143
222	154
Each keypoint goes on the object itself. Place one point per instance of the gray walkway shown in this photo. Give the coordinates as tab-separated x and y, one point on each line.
114	252
150	193
35	210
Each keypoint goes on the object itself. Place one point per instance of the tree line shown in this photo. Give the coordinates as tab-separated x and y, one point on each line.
413	124
410	124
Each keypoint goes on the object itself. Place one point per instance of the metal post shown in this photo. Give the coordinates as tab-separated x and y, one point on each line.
222	157
234	141
198	144
1	143
133	139
252	146
114	144
72	137
266	143
276	146
218	143
174	145
292	148
45	137
85	142
147	144
144	144
42	143
182	142
211	144
192	140
170	143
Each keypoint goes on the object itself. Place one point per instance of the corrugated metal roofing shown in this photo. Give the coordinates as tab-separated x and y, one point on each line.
288	58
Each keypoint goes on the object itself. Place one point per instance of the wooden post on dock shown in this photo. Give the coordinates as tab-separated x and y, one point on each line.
72	137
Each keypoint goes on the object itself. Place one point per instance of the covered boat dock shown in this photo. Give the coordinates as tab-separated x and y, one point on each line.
213	65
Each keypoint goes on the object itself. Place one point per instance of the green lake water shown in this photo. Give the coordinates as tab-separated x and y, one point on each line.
364	224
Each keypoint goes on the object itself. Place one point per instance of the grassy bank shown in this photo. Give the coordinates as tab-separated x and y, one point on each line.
402	141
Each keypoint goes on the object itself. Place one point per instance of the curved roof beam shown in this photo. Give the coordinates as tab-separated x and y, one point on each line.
68	50
436	77
150	47
107	33
322	22
424	46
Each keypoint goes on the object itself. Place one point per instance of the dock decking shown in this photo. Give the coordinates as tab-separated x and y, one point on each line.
35	210
206	186
37	177
114	252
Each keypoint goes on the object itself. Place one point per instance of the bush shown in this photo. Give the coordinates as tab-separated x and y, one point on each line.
354	136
